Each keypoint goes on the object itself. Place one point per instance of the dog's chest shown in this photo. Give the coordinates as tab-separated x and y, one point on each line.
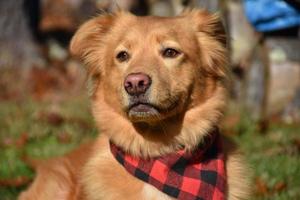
151	193
111	181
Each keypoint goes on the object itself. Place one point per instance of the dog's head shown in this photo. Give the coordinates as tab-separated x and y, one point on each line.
154	78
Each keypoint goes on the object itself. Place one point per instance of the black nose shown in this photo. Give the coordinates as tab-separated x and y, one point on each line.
137	83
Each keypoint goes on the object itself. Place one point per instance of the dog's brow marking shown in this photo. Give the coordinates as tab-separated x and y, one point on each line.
170	44
124	46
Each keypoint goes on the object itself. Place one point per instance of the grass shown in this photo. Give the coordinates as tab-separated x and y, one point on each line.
274	157
44	136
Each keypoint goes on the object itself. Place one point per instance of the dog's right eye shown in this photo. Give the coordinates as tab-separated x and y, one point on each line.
122	56
170	53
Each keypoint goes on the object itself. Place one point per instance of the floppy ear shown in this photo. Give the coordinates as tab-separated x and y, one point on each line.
212	40
89	38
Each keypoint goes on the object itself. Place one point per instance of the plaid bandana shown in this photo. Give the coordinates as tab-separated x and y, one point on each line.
199	175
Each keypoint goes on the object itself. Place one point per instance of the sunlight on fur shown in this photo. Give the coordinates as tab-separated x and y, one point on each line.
158	86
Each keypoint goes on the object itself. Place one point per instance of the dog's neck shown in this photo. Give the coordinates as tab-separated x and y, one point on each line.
196	123
199	174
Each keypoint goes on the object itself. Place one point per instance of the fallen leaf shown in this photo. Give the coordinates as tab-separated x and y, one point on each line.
15	182
51	118
296	143
280	186
261	186
22	140
55	119
42	81
263	126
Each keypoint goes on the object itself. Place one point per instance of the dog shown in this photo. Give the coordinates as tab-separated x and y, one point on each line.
158	94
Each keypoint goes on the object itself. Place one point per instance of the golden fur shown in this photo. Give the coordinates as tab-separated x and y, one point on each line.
189	91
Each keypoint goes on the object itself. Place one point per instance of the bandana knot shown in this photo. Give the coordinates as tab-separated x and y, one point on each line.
196	175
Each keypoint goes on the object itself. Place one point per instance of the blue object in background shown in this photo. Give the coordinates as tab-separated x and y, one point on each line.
271	15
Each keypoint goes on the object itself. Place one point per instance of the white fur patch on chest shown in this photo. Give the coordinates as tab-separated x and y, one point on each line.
151	193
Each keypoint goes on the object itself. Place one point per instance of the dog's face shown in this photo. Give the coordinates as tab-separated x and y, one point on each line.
153	70
148	70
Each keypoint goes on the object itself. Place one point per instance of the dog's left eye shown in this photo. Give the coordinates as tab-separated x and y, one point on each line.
170	53
122	56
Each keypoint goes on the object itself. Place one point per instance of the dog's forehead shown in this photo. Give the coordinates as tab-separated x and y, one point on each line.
150	24
159	28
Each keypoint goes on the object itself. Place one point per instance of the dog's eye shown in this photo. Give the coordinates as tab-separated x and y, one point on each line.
122	56
170	53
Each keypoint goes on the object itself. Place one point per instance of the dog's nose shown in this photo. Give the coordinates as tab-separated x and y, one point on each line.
137	83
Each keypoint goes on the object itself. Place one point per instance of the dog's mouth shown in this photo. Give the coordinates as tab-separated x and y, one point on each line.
141	110
142	107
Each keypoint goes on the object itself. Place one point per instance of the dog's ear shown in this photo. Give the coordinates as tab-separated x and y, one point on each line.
89	37
212	40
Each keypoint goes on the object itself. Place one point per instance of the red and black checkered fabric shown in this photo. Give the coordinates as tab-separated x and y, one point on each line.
198	175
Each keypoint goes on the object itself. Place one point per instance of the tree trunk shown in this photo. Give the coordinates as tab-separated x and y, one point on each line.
17	46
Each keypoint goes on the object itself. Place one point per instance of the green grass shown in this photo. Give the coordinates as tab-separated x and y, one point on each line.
274	157
43	137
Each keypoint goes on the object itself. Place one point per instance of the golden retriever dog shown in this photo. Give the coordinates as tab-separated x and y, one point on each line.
158	93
